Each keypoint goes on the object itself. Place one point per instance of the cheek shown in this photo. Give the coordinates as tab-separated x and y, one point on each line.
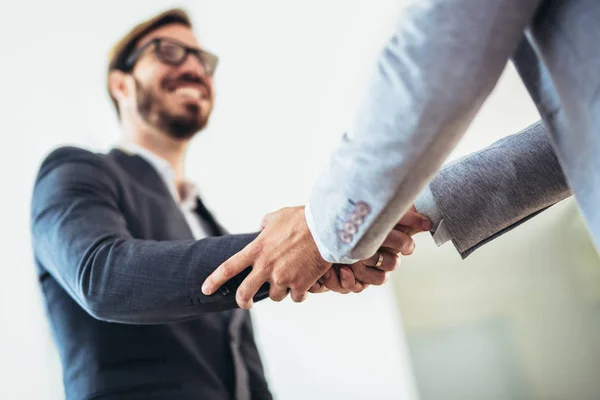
211	92
207	104
152	76
211	87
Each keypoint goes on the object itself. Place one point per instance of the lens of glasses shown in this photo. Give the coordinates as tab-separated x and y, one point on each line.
175	54
209	61
171	53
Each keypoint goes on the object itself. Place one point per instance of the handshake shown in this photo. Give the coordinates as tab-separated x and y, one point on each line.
285	255
354	278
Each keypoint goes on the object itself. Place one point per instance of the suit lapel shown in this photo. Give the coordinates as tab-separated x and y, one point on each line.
144	174
141	171
208	222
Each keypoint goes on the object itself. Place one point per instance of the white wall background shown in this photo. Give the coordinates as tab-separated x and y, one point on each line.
290	77
290	73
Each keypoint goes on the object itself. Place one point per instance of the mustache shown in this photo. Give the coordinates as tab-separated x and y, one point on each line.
187	77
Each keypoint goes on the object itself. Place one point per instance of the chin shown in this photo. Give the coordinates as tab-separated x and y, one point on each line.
185	111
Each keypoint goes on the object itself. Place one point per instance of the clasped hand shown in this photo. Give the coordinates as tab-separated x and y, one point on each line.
285	255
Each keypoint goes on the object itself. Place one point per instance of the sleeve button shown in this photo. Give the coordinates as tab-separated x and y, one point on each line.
350	228
224	290
362	209
345	237
357	219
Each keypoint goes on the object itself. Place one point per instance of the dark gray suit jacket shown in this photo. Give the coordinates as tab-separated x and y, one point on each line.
488	193
121	276
492	191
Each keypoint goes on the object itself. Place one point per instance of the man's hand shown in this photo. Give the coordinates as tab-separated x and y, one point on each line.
358	276
284	254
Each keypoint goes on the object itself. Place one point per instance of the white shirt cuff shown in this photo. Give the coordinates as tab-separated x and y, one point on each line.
426	205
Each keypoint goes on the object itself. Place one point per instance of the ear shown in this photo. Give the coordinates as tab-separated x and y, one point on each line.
117	84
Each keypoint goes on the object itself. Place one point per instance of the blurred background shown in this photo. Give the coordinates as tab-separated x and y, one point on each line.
519	319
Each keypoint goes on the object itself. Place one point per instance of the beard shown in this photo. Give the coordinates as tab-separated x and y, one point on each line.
153	110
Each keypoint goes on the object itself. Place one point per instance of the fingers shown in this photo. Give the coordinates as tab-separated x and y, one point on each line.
368	275
276	256
415	221
399	242
277	293
299	296
247	290
318	287
230	268
389	263
349	281
332	281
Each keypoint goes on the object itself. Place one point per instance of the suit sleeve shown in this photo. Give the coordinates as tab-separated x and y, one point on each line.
486	194
80	237
431	79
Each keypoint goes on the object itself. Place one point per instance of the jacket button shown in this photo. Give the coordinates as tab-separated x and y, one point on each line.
345	237
224	290
350	228
357	219
362	209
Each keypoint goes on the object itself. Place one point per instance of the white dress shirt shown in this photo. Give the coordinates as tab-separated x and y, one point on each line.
187	201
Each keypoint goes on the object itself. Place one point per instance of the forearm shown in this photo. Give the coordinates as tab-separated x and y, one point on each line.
140	281
431	79
82	239
487	193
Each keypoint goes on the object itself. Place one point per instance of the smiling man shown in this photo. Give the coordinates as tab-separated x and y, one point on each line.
122	242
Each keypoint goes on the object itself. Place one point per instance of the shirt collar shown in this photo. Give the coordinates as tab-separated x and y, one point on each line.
165	171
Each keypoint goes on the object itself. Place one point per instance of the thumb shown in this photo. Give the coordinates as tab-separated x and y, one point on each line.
415	221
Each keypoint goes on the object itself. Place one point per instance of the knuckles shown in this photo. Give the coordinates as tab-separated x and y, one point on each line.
280	278
394	263
257	247
379	280
227	270
276	298
242	295
299	298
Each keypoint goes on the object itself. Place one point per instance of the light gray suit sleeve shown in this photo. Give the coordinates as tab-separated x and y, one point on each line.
431	79
486	194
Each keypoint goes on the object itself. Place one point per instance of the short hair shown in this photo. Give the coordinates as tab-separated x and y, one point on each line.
120	52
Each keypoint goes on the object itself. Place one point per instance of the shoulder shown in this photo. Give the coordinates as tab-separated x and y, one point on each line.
70	162
66	154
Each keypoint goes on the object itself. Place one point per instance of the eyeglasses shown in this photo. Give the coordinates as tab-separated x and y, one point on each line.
174	53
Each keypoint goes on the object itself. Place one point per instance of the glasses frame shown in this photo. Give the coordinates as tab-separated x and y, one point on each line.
208	60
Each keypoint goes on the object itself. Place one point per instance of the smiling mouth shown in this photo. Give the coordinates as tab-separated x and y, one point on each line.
190	92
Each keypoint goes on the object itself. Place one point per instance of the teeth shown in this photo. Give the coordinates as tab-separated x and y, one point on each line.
188	92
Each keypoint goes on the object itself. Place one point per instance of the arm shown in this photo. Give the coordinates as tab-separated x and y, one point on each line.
433	76
80	237
431	79
486	194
